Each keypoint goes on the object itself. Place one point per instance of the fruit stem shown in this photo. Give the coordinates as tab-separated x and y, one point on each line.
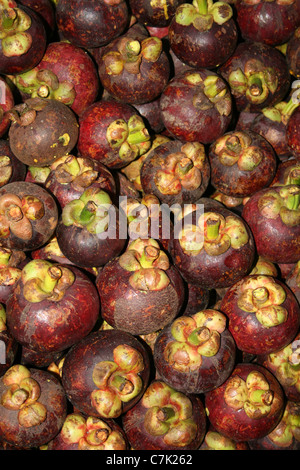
149	255
256	87
199	336
212	226
233	144
202	7
165	413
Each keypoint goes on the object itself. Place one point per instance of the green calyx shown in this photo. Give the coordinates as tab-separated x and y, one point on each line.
263	296
256	82
90	211
213	233
195	337
281	202
130	138
14	36
117	381
43	279
45	84
148	264
203	13
130	53
252	395
168	414
236	148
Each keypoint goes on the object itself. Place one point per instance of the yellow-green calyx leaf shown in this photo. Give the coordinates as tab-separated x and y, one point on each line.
263	296
43	279
130	138
117	381
14	36
203	13
22	394
149	265
254	395
283	203
195	337
169	414
213	233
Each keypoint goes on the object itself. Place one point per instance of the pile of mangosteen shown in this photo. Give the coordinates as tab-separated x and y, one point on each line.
149	225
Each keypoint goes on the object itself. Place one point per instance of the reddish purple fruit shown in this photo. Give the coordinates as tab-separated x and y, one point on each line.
165	419
42	130
203	34
176	172
80	432
196	106
264	315
91	23
112	133
67	73
196	353
257	75
23	38
28	215
143	273
273	217
241	162
213	247
268	22
53	306
134	69
249	405
106	373
33	406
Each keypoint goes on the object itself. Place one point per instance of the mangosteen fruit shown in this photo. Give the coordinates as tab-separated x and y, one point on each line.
23	38
80	432
42	130
248	405
165	419
213	247
203	33
140	291
195	353
89	231
176	172
257	75
33	406
267	22
69	176
112	133
196	106
286	434
264	315
272	214
284	364
28	216
106	373
91	23
52	307
134	70
12	169
241	162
